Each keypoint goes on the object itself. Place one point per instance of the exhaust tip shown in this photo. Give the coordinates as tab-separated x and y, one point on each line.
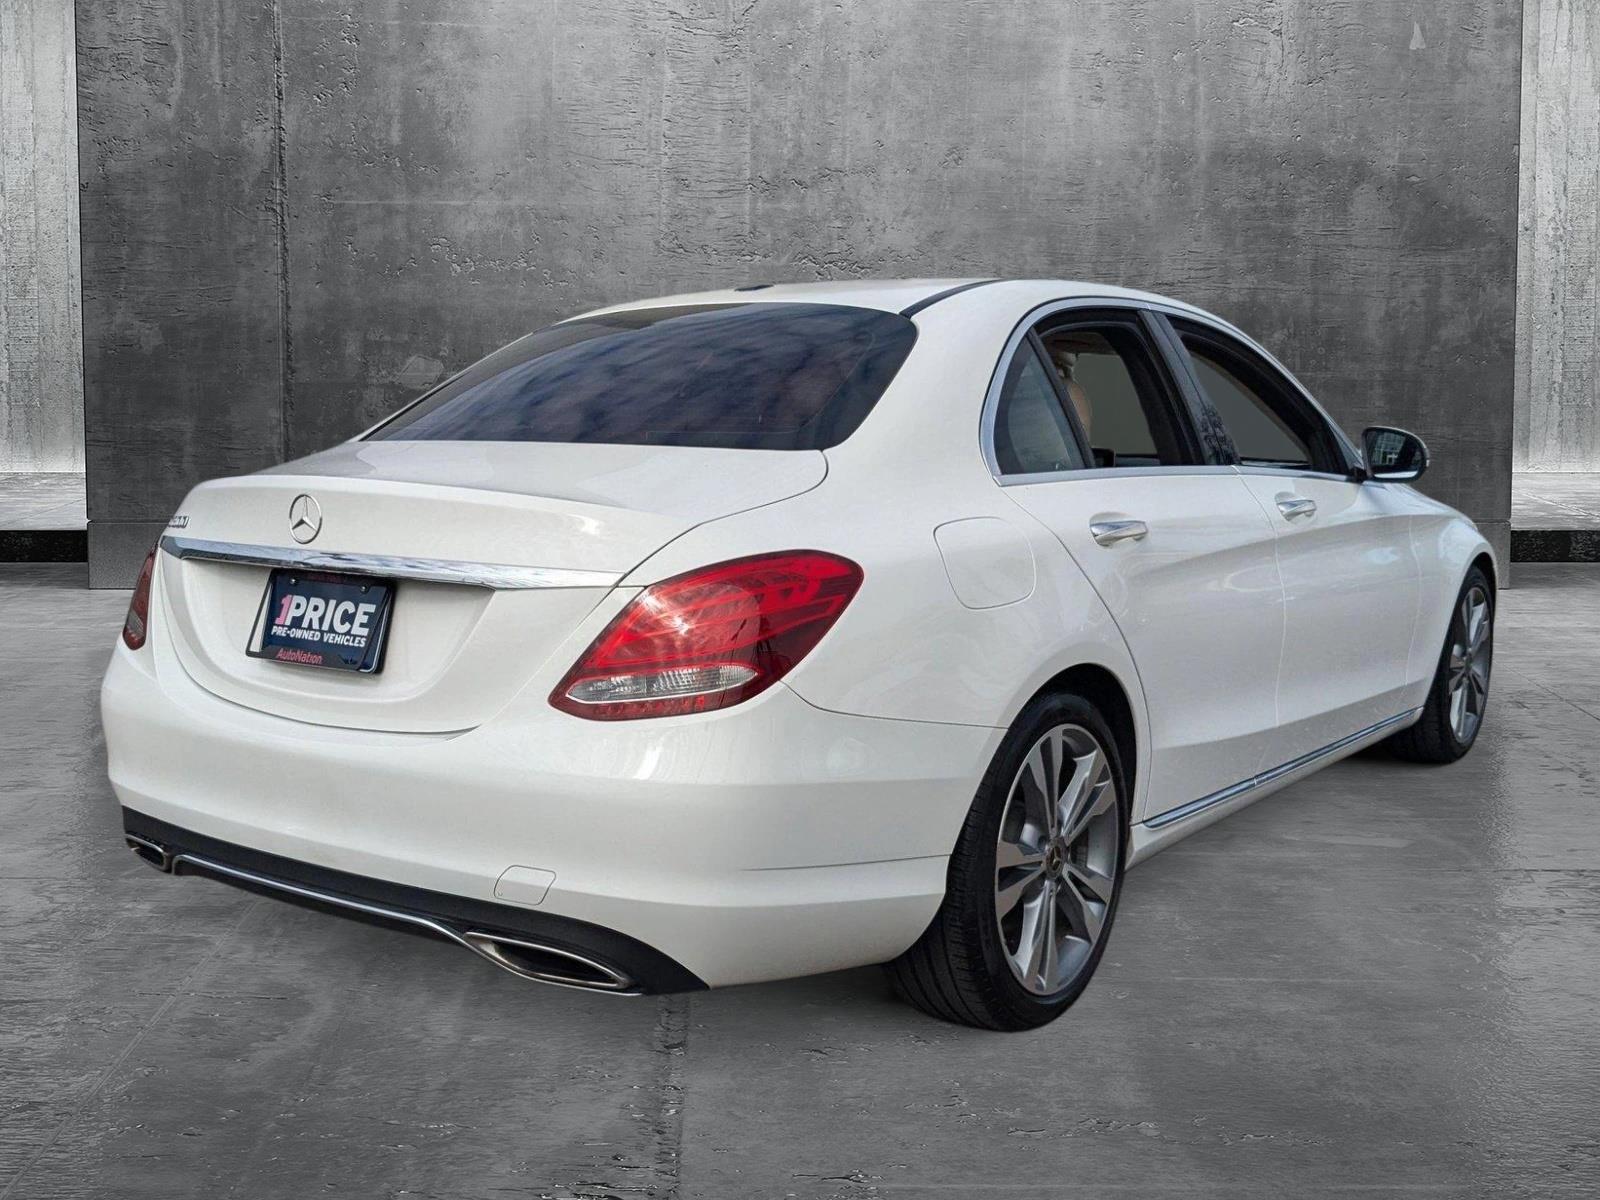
548	964
157	855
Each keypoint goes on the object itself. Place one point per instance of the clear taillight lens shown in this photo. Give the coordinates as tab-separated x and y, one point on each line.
710	638
136	626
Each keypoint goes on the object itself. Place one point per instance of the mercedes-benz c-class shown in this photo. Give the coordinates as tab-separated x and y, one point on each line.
742	635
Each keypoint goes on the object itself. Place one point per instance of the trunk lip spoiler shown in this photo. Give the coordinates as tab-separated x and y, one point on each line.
495	576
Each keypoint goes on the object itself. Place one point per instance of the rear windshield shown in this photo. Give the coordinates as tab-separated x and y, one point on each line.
743	376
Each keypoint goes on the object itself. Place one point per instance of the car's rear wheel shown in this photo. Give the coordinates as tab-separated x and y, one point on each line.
1034	879
1459	697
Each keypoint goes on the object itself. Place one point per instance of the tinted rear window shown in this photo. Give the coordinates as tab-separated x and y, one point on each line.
745	376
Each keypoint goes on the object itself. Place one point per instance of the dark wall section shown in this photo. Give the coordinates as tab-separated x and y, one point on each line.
1334	175
182	332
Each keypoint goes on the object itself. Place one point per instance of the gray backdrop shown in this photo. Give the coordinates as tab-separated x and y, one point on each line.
297	213
1558	312
41	380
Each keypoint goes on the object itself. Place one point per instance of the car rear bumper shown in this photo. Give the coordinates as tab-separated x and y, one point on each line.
535	945
769	840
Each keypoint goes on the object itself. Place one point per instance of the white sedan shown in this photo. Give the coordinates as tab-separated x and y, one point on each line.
761	632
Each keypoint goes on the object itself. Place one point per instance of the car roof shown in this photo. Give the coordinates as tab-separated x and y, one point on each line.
898	295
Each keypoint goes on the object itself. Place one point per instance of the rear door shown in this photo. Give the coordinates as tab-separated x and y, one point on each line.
1086	432
1344	546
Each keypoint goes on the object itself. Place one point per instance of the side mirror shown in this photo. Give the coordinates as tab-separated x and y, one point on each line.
1393	455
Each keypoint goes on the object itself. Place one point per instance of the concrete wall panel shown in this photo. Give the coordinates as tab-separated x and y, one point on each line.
181	258
41	347
1558	310
1337	176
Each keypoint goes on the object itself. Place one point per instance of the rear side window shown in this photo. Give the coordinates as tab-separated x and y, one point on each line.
1031	431
741	376
1118	394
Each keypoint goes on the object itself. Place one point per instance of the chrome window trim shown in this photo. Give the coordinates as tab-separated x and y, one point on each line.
1111	473
1194	807
496	576
1296	473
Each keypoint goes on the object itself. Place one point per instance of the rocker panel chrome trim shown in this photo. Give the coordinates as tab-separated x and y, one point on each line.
1194	807
496	576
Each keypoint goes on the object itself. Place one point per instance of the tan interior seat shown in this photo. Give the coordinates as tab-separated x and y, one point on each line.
1062	359
1080	404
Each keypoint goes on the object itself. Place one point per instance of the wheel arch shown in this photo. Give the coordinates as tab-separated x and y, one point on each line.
1485	562
1100	686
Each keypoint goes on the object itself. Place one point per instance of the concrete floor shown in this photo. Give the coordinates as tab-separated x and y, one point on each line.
1383	981
1555	500
42	500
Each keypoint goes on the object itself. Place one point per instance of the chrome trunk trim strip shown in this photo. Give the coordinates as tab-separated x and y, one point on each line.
497	576
1184	811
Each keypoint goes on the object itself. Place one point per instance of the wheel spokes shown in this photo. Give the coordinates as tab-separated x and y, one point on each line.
1083	918
1458	709
1091	884
1467	681
1023	881
1091	796
1036	783
1043	950
1009	854
1478	635
1030	936
1056	858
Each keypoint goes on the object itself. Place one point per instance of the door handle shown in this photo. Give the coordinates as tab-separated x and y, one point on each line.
1296	506
1109	533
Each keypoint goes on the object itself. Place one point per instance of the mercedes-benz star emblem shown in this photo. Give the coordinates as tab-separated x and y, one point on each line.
305	518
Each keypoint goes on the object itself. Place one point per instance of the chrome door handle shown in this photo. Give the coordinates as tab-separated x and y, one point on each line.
1296	506
1109	533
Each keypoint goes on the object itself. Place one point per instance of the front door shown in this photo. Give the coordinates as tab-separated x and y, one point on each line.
1350	574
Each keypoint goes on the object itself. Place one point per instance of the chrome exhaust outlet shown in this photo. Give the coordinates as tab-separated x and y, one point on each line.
154	853
525	959
547	964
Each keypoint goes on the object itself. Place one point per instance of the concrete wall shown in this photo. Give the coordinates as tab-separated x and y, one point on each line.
41	347
298	213
1558	311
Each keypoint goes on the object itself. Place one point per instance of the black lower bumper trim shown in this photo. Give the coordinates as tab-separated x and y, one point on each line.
651	970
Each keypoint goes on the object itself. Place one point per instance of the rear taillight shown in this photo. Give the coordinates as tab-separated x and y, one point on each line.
136	626
710	638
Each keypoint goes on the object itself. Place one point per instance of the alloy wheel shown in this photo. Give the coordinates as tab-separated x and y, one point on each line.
1056	858
1470	653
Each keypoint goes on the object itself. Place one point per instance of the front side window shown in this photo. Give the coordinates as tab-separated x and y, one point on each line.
1271	426
742	376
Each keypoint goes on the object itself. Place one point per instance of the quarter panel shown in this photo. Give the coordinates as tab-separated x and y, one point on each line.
906	648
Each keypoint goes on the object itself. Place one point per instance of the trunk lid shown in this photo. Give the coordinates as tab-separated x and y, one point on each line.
457	652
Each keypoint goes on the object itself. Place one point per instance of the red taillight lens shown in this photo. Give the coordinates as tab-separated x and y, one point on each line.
136	626
710	638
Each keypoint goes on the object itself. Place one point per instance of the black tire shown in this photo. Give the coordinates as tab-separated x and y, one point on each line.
1435	737
959	969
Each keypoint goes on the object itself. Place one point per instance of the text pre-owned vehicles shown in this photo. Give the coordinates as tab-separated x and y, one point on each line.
762	632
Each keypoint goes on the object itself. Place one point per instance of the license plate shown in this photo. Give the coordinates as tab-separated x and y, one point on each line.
318	619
